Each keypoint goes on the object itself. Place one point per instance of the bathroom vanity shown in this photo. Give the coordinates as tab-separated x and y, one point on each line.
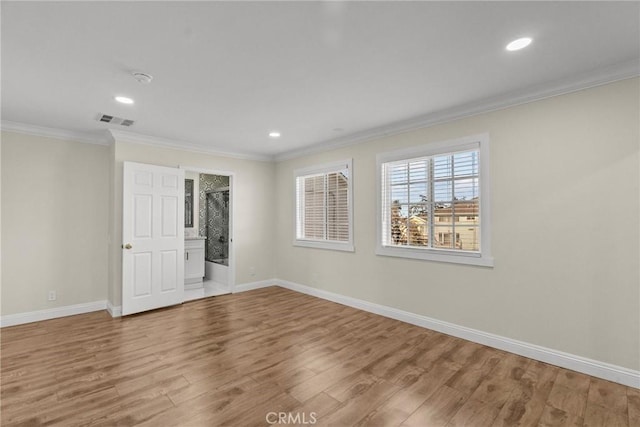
193	262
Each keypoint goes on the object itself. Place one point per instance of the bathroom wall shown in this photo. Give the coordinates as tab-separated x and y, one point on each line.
217	244
214	248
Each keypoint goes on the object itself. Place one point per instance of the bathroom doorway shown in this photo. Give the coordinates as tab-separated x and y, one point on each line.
211	207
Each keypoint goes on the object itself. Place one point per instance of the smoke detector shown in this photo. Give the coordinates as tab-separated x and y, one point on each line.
143	78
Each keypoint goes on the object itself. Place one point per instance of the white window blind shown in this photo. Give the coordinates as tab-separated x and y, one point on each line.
431	202
323	206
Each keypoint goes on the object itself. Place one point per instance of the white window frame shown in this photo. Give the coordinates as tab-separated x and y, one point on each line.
483	256
324	169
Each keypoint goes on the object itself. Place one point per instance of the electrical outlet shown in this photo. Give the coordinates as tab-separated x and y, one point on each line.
52	296
252	271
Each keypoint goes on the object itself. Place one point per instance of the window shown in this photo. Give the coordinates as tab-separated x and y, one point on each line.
433	202
324	206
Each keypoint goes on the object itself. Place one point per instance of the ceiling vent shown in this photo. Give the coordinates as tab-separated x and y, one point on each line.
105	118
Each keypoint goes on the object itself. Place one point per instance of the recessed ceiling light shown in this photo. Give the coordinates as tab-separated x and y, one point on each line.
124	100
274	134
519	44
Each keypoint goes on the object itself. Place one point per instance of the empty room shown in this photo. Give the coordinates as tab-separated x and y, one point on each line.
340	213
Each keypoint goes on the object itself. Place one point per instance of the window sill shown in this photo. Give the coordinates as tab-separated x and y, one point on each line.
334	246
444	256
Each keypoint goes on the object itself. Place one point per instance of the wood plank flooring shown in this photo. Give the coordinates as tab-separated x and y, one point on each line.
242	359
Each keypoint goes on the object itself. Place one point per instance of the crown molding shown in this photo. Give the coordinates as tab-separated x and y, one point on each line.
593	78
136	138
101	138
108	137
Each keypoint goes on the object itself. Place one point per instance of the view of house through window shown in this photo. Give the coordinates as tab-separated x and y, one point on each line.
433	202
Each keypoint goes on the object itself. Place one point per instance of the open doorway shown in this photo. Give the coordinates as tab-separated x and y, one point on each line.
208	233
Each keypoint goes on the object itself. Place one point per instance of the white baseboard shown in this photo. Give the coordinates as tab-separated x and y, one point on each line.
51	313
114	310
587	366
254	285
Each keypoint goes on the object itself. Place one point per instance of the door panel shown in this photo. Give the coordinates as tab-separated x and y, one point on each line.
194	265
169	261
169	216
152	236
142	274
143	178
169	181
142	216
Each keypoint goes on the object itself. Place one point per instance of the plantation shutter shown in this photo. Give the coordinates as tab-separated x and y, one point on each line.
314	209
337	207
432	202
322	205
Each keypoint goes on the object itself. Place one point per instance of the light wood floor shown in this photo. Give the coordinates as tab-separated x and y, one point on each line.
231	360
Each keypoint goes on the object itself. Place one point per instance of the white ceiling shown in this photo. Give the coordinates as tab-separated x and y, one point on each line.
227	73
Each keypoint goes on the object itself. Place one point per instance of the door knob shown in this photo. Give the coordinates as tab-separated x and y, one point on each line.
127	246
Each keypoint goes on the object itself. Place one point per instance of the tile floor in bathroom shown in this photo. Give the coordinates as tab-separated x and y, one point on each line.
212	289
209	289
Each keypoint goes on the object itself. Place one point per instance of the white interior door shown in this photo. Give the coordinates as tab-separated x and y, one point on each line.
152	237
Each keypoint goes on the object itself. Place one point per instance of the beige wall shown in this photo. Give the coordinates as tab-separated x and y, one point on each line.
55	197
62	218
0	223
569	282
253	203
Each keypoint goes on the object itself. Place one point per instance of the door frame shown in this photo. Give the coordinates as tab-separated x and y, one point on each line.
232	219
